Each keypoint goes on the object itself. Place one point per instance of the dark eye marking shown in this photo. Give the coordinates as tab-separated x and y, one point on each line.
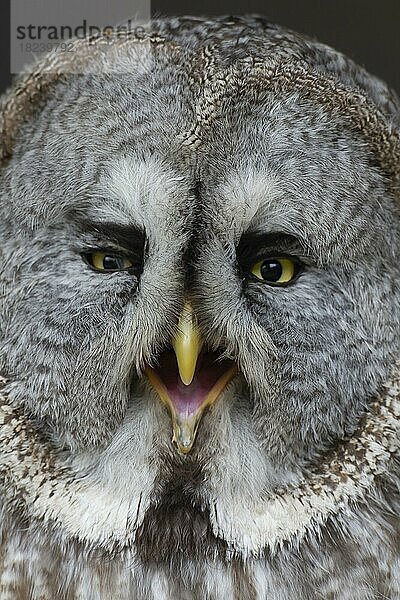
113	246
273	258
129	237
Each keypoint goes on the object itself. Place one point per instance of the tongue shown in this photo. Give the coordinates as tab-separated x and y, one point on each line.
187	399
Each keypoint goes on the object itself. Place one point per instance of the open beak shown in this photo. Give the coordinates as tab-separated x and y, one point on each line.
188	379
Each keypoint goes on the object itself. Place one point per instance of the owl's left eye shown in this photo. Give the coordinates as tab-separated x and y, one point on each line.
276	270
106	261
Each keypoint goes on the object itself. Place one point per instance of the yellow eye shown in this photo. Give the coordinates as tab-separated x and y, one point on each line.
103	261
275	270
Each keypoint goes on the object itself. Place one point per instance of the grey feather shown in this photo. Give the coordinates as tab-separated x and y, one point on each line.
197	135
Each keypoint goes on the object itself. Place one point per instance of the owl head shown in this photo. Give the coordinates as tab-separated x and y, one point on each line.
200	264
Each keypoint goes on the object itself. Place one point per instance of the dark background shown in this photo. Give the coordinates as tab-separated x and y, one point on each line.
366	30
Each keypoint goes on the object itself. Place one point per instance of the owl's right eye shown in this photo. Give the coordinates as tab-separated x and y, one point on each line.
270	258
107	261
276	271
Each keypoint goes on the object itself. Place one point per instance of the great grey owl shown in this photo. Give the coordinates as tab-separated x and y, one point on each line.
200	320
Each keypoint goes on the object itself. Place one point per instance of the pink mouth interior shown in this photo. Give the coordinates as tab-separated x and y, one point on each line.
187	399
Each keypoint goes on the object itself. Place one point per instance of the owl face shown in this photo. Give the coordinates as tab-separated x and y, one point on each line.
193	319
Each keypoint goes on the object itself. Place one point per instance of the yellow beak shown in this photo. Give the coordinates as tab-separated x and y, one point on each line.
187	344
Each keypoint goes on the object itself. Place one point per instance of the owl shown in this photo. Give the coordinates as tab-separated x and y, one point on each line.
200	320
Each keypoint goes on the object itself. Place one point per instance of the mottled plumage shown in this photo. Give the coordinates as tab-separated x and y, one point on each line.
197	150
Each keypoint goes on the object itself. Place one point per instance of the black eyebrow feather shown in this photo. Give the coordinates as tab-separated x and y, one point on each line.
251	244
130	237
